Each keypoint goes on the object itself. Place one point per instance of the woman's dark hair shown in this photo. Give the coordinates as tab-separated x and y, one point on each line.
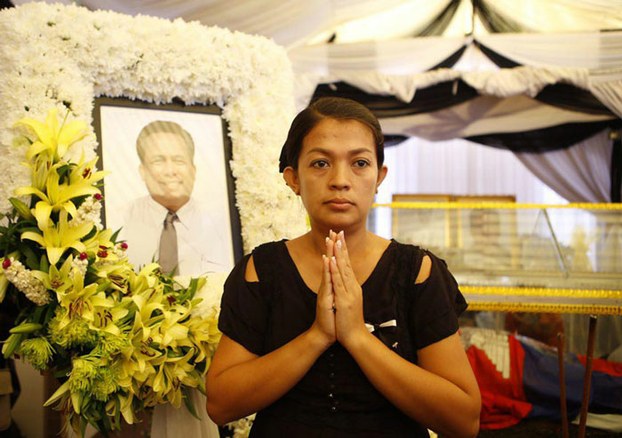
337	108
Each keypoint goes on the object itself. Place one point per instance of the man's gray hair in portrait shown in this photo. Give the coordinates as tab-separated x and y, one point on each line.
160	126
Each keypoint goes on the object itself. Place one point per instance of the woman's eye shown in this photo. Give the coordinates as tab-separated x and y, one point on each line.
361	163
320	164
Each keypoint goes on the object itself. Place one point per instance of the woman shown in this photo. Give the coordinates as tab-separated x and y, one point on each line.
340	332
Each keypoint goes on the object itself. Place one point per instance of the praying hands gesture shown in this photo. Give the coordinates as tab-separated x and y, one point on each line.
340	296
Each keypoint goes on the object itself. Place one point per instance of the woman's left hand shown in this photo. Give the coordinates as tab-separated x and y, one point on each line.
349	320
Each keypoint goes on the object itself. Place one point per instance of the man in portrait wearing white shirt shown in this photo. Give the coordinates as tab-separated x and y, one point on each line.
168	225
179	232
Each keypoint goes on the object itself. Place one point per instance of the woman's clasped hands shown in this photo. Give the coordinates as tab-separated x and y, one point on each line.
339	312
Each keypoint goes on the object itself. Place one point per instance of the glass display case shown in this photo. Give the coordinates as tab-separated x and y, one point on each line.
566	255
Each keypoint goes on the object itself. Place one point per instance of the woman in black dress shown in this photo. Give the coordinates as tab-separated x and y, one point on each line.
340	332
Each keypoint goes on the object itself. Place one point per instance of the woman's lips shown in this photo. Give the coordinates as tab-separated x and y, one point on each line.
339	204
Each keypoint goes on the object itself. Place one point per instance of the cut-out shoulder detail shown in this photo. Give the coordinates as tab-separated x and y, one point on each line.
424	271
250	274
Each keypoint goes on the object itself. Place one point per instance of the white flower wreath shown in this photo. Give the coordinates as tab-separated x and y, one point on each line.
65	56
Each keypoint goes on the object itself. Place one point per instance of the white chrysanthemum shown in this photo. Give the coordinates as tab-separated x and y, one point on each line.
89	212
120	250
80	265
242	427
26	283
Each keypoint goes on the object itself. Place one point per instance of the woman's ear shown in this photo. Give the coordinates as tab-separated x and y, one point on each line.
291	178
382	173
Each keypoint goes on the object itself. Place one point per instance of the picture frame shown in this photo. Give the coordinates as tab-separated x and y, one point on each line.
216	239
488	236
430	228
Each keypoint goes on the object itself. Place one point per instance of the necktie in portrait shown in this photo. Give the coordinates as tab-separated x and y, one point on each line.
168	254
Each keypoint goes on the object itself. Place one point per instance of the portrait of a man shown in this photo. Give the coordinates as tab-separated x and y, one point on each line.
167	191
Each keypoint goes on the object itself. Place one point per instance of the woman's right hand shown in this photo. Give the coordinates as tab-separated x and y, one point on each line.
324	312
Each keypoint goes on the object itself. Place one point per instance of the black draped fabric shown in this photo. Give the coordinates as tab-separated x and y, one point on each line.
429	99
494	22
439	24
561	95
545	139
426	100
450	60
572	98
498	59
447	94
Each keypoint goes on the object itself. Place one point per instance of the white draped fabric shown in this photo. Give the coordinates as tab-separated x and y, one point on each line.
596	64
560	15
579	173
459	167
289	23
293	22
399	56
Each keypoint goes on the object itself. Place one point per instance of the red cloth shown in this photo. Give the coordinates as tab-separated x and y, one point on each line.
602	365
503	400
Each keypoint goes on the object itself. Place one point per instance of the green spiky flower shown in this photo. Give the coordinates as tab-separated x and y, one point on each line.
37	351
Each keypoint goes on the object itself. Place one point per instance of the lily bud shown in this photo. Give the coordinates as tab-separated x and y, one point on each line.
22	209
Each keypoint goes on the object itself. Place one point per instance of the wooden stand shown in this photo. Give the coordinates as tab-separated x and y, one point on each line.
587	379
562	384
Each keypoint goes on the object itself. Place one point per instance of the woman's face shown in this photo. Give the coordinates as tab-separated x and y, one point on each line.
337	174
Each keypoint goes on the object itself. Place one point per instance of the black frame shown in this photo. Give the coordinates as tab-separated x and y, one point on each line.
177	106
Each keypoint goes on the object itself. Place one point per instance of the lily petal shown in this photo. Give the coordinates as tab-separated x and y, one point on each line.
43	210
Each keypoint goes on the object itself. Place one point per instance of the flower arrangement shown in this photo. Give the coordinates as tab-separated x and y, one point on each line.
119	341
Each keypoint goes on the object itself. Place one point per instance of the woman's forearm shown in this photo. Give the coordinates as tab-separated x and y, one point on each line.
449	405
253	384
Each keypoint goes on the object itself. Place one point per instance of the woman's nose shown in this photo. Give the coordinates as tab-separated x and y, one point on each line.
340	177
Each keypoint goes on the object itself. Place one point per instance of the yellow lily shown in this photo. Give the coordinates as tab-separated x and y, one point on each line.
102	238
137	363
51	137
103	312
4	284
58	196
171	331
204	334
56	279
126	408
56	239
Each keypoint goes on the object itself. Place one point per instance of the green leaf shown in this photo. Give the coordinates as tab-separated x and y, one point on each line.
44	265
11	344
62	389
32	260
115	235
188	402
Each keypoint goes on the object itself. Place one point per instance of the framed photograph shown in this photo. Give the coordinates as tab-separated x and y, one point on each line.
169	162
431	228
488	235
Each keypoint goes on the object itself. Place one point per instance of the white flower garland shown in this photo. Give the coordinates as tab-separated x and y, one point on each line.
59	56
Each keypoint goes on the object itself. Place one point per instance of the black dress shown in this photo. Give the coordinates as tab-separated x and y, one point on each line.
335	398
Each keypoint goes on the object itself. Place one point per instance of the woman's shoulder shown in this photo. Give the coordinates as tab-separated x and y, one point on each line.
268	247
262	259
418	259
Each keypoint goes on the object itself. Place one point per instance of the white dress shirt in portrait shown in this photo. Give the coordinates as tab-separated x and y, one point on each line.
203	240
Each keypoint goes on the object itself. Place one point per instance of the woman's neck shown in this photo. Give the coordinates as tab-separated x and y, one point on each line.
357	240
